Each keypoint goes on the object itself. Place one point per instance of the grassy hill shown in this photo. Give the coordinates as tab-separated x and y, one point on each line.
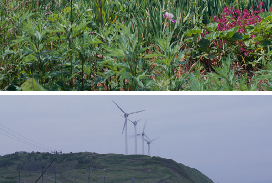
113	167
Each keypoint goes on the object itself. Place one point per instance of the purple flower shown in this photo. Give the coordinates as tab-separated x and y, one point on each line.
169	16
246	53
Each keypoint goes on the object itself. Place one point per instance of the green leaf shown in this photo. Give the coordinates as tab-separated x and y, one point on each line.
250	28
187	16
268	18
266	43
246	36
32	85
193	31
231	32
237	35
28	58
212	26
265	14
204	43
153	55
212	35
38	36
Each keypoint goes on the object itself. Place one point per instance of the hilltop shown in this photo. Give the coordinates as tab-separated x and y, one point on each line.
111	167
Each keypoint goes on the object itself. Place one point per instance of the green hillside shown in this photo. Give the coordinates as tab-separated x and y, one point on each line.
113	168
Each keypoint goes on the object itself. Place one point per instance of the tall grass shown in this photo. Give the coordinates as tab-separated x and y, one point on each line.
103	44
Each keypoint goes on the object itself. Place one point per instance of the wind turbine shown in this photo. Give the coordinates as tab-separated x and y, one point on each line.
125	125
148	143
143	134
135	124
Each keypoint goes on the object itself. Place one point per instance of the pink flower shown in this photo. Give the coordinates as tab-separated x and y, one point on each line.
169	16
246	53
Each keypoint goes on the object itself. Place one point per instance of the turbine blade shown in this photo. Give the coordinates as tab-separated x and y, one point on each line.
138	120
154	139
144	126
133	136
136	112
130	121
147	137
119	107
124	126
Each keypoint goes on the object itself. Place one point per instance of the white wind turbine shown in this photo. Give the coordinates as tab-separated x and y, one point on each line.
148	141
143	134
135	124
125	125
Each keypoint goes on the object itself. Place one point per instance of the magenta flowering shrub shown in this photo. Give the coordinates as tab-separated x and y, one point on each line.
236	18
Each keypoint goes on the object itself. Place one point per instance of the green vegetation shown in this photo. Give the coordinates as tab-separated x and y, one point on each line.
114	167
106	45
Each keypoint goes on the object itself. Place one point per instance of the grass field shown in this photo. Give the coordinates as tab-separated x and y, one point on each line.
114	167
131	45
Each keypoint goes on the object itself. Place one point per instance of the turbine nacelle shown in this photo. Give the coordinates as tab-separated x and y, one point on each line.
148	142
143	134
134	122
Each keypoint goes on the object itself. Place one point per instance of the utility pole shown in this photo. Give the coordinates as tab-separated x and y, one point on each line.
56	174
75	175
42	172
45	170
89	178
104	175
56	168
19	175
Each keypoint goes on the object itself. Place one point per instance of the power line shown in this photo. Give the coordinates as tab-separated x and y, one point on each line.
26	138
8	134
21	140
18	139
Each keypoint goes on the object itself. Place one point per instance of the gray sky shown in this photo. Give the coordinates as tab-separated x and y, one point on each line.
228	138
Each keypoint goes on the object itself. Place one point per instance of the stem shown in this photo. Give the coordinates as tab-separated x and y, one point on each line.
169	27
70	46
82	76
100	14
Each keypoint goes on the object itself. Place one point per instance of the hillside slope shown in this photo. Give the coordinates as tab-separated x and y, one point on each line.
111	167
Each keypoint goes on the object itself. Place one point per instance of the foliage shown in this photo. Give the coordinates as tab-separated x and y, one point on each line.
32	85
133	45
116	168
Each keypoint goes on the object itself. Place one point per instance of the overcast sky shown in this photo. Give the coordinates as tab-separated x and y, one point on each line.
228	138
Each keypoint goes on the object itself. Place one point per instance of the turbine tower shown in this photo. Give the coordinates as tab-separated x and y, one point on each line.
135	124
125	126
148	143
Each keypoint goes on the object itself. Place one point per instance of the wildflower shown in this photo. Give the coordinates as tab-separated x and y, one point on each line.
246	53
169	16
